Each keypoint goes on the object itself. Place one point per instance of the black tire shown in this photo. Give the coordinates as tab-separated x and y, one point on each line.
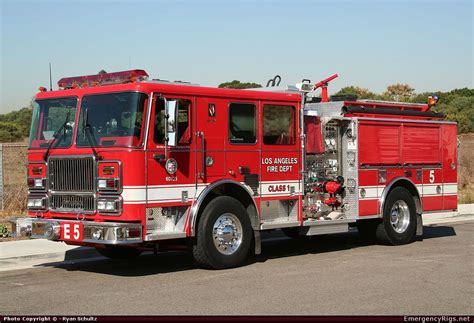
205	252
115	252
398	199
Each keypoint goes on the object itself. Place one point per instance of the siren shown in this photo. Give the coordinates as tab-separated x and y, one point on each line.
129	76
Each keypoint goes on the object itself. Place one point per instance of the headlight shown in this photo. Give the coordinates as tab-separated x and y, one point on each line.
171	166
109	205
36	203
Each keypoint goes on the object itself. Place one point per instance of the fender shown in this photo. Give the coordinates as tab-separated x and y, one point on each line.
254	219
396	180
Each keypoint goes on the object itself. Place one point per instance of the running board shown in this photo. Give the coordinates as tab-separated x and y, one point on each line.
278	224
152	236
317	227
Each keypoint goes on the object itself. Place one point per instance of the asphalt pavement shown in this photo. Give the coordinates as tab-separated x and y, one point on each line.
334	274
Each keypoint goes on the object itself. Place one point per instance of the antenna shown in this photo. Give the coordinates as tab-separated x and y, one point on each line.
50	79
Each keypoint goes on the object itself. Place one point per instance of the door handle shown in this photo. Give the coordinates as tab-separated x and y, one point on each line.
202	174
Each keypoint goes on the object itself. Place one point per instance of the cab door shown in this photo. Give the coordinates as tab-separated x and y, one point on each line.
242	144
165	186
210	139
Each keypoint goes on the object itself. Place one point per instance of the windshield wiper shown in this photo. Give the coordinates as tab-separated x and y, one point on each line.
88	133
63	126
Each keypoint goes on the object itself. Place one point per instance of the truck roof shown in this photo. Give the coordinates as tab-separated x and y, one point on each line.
176	88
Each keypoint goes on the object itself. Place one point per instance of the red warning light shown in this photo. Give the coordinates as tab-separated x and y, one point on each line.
103	79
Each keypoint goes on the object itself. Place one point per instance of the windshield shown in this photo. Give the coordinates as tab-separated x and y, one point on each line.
113	119
51	116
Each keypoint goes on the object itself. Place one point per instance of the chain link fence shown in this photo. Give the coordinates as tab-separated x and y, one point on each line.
13	173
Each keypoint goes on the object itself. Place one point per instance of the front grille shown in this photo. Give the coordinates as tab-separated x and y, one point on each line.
76	203
71	174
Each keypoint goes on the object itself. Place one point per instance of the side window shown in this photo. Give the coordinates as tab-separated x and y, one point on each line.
242	125
184	128
279	125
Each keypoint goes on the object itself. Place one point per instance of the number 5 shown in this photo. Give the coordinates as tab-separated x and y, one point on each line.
432	177
76	231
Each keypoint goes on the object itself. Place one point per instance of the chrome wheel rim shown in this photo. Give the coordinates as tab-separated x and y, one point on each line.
227	234
400	216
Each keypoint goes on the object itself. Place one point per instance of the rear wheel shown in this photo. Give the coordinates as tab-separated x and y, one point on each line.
224	234
115	252
399	218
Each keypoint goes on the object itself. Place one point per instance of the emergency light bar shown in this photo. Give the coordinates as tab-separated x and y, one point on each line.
102	79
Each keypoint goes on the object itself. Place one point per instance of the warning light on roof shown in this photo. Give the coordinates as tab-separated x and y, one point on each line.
103	79
42	89
432	100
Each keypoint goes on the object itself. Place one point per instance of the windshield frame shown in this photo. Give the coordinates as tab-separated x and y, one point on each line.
72	118
94	140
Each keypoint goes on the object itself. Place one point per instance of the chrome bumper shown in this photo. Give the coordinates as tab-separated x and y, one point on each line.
113	233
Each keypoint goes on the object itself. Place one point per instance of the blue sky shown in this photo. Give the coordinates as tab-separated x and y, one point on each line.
427	44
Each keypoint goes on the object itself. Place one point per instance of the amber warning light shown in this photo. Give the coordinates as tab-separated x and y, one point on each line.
103	79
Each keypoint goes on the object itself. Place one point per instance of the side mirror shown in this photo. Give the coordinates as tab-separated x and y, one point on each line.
171	124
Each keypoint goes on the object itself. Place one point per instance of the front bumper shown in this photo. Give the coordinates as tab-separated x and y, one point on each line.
112	233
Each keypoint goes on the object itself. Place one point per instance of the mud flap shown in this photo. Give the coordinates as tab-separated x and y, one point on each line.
419	225
257	242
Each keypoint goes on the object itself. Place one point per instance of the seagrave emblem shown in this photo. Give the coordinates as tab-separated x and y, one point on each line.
211	110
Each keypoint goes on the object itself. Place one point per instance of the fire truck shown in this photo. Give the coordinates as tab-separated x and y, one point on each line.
123	163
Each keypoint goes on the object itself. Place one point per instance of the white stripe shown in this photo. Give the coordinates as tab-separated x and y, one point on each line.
370	192
430	190
133	194
450	189
423	189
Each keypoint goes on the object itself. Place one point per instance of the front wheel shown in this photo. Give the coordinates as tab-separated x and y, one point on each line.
224	234
399	218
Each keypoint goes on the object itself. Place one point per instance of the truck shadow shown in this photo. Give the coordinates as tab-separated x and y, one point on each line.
274	245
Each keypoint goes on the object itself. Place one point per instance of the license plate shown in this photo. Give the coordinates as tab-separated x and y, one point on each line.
72	231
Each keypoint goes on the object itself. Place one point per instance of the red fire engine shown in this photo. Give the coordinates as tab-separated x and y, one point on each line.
125	164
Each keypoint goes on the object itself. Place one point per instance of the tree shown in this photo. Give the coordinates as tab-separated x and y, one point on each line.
102	72
399	92
235	84
360	92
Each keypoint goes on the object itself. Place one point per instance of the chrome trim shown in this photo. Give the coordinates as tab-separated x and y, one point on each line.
362	218
89	224
55	226
197	203
390	185
279	224
227	234
92	192
400	216
311	223
165	236
147	120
